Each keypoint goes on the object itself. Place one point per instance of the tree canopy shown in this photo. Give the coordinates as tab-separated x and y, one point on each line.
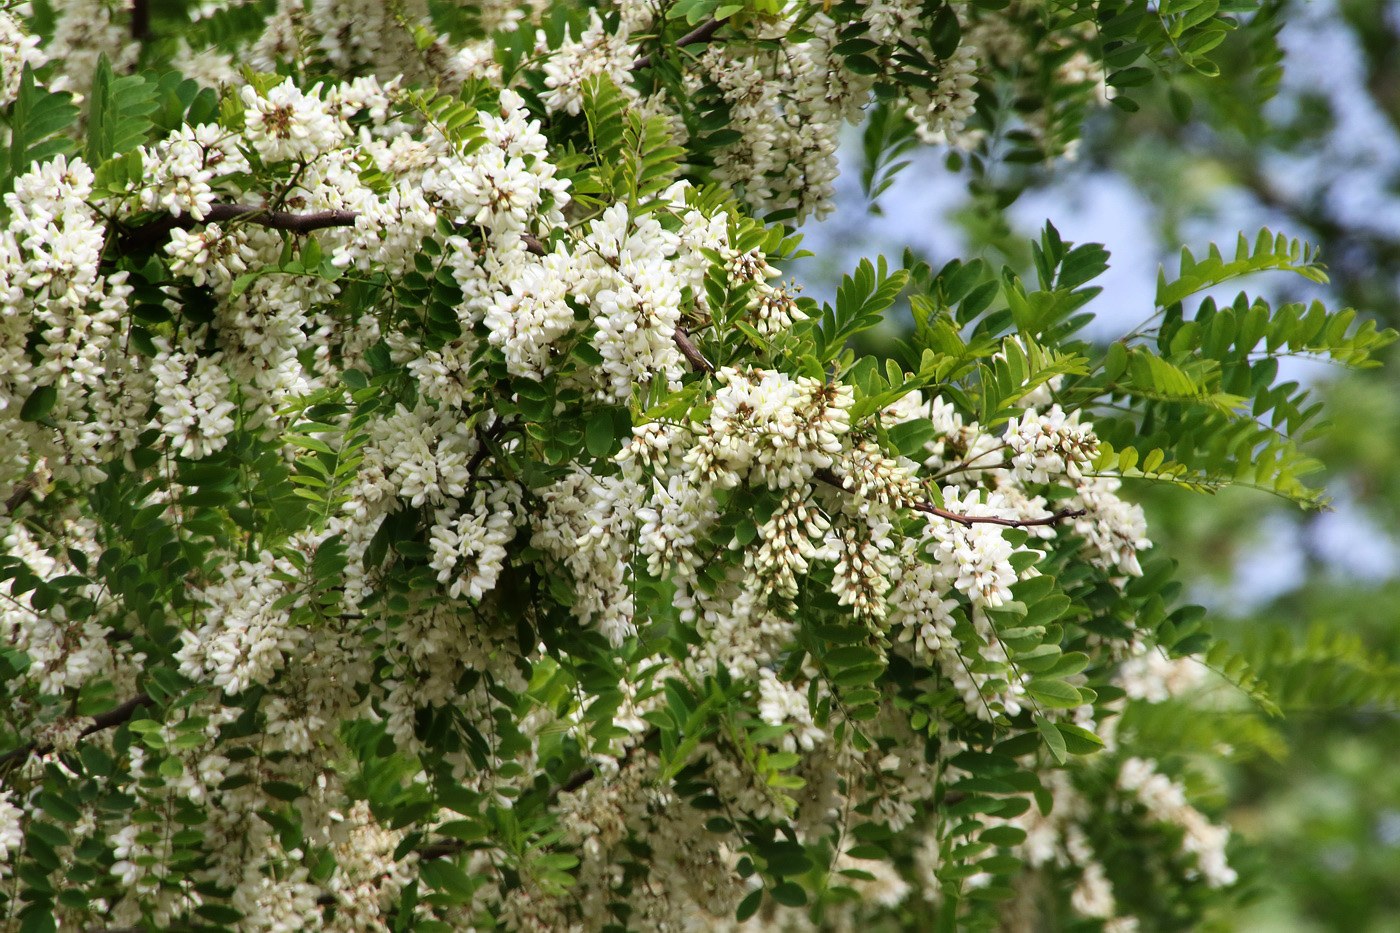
427	507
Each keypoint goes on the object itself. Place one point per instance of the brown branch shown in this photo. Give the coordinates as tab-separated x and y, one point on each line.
702	33
140	20
117	714
280	220
157	232
23	490
691	352
967	521
113	717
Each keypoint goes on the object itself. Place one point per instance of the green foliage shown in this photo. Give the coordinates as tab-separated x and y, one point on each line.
35	119
1269	253
452	578
117	113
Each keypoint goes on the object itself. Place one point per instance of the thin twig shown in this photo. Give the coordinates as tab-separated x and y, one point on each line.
967	521
702	33
113	717
23	490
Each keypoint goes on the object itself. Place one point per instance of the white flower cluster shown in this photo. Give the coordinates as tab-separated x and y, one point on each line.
1049	446
768	428
367	877
84	31
632	274
1155	677
1165	801
788	105
287	123
979	555
11	830
595	53
356	33
672	521
17	49
244	637
1115	530
863	569
64	652
213	255
468	549
502	185
788	548
940	113
781	703
588	526
422	456
182	169
196	407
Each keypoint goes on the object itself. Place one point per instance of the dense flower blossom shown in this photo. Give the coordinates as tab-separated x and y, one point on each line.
19	49
472	519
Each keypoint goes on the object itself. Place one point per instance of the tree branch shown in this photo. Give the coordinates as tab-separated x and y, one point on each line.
113	717
967	521
23	490
691	352
280	220
702	33
140	20
155	233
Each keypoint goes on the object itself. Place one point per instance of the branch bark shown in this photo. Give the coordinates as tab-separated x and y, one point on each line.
108	720
692	353
156	232
280	220
140	20
702	33
967	521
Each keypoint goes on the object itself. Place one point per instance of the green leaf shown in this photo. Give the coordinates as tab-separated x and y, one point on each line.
1053	740
599	435
1054	694
39	403
789	894
1078	740
749	905
444	876
37	115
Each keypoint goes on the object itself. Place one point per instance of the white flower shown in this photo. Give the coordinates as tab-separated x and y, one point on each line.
289	124
468	550
11	825
194	394
243	638
595	52
423	452
1048	446
17	49
530	314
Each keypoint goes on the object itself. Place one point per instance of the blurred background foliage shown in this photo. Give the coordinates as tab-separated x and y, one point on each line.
1300	132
